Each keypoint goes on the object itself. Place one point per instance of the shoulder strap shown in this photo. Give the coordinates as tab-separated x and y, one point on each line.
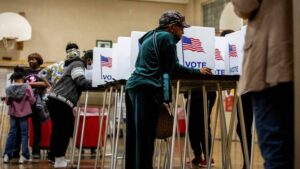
156	51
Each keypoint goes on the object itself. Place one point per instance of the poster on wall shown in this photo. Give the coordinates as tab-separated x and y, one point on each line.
121	61
196	49
235	52
134	48
221	56
102	66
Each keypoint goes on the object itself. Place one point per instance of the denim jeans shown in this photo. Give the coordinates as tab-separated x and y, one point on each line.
22	123
274	115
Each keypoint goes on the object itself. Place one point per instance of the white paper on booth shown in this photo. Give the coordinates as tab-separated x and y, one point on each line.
102	66
134	46
197	47
115	64
123	58
221	56
235	52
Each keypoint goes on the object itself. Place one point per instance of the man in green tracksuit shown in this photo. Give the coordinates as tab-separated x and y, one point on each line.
148	87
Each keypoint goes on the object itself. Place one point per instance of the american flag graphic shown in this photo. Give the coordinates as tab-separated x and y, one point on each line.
218	55
106	61
192	44
232	51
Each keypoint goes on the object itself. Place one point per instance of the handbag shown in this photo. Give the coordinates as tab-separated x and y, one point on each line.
164	127
165	122
42	107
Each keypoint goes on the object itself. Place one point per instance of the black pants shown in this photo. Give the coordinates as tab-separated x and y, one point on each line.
142	111
196	122
36	123
248	119
62	127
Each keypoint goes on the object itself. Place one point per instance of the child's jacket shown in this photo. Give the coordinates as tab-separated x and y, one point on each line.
19	98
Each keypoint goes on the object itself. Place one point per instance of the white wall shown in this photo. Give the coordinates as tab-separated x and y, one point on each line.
229	20
56	22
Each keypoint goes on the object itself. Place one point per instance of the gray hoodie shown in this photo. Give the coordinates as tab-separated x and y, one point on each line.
16	92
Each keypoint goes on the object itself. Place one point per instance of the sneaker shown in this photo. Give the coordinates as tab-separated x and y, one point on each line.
195	161
5	158
60	162
24	159
203	163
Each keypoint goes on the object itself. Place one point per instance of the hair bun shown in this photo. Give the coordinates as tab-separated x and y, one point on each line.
18	69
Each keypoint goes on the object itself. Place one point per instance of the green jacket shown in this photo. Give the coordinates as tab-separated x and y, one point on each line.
147	68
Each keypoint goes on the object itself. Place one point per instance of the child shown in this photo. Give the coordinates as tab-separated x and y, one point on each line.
19	98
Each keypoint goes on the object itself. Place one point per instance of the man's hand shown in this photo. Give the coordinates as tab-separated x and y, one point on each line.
205	71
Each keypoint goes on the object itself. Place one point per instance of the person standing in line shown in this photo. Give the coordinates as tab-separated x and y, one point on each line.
268	76
248	117
148	87
197	129
62	98
38	86
53	73
19	98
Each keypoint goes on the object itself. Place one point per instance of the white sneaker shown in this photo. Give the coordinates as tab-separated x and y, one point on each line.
5	159
60	162
23	159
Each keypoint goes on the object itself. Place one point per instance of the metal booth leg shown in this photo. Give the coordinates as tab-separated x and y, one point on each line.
106	128
75	134
186	138
223	126
205	122
231	129
113	140
101	117
214	133
119	117
242	123
82	129
174	124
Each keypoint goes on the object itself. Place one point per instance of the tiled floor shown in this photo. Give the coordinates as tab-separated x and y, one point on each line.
87	161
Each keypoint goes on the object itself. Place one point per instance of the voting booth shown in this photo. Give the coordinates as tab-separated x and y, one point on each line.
236	42
197	47
134	47
102	66
221	56
121	63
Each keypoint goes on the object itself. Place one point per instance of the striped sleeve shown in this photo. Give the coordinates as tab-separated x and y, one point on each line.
76	72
